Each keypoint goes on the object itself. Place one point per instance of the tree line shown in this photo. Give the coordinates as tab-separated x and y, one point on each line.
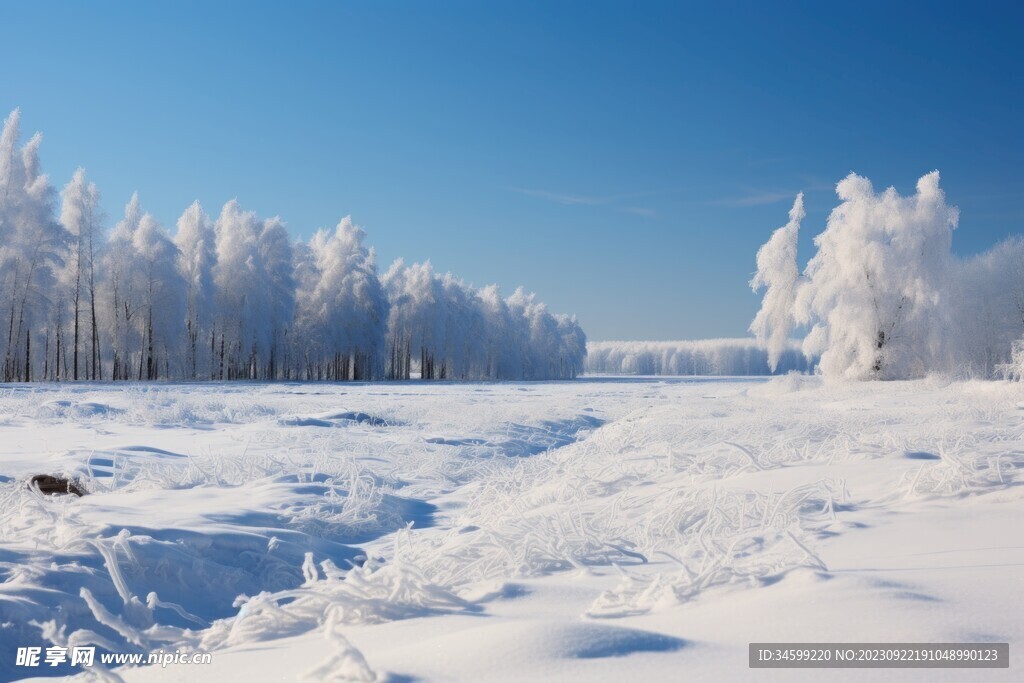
695	357
235	298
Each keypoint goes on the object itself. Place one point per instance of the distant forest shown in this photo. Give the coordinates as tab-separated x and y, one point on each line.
697	357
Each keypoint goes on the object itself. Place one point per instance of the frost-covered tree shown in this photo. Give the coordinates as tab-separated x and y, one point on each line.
275	251
161	293
433	320
497	328
197	256
877	291
1014	368
342	309
145	295
33	245
988	308
461	349
242	309
83	220
537	339
778	273
255	293
120	288
572	347
455	331
413	318
878	295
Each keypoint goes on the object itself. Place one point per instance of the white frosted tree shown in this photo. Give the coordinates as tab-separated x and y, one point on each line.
497	327
465	335
878	287
1013	369
778	273
400	311
989	308
878	295
306	348
572	347
161	292
275	250
197	256
555	344
341	308
517	347
413	318
32	247
255	293
122	298
461	332
144	298
83	219
242	307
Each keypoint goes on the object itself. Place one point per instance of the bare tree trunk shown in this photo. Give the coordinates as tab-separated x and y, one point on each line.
78	280
97	364
8	360
407	366
192	336
97	367
57	365
150	367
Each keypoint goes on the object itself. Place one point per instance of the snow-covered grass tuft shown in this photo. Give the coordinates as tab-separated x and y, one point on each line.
367	594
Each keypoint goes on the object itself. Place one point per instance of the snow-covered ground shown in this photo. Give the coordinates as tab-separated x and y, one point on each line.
599	529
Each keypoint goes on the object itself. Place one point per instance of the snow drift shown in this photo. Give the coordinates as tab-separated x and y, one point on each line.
593	530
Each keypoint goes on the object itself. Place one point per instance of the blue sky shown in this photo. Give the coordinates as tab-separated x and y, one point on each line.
623	160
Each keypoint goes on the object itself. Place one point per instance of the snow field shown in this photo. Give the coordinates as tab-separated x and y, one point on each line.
598	529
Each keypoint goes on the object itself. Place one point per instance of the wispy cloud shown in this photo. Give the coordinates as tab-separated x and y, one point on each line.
766	161
569	199
756	198
561	198
639	211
